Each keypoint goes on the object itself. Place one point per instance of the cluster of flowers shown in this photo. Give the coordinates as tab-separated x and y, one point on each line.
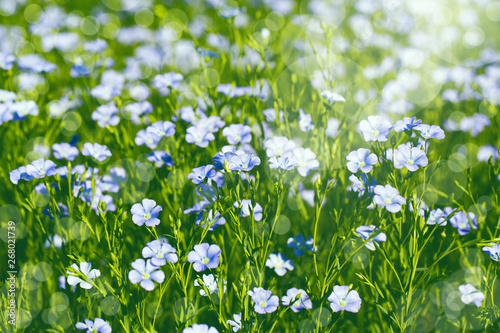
81	177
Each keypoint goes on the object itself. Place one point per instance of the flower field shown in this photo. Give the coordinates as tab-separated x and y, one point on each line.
249	166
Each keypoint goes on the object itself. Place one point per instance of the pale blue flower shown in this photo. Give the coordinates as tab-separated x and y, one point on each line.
105	92
21	109
471	295
305	121
143	137
136	110
41	168
360	184
106	114
461	221
6	61
96	151
485	152
96	326
213	220
366	231
210	283
279	263
406	124
204	256
160	252
344	299
202	173
332	97
243	162
437	216
388	197
332	127
361	159
162	128
411	158
200	328
299	298
35	63
167	81
246	208
95	46
221	160
65	151
278	145
161	158
430	132
305	159
264	300
230	12
282	163
236	323
237	133
493	250
84	269
211	124
199	136
145	273
375	128
146	213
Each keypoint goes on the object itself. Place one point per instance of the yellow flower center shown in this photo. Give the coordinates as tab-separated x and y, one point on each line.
147	216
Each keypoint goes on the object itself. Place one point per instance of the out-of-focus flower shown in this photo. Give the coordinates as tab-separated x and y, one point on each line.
200	328
471	295
246	208
106	114
96	151
306	160
237	133
65	151
96	326
366	231
461	221
41	168
236	323
430	131
279	263
332	97
300	245
85	269
493	250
